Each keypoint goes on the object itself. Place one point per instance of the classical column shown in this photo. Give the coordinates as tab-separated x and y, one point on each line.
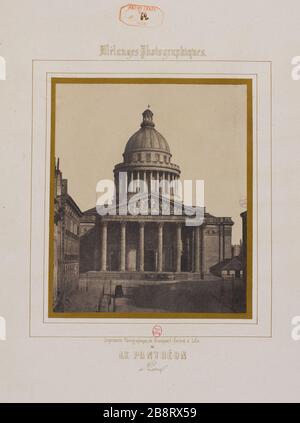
160	248
178	248
141	246
104	246
221	242
131	180
193	251
172	190
197	250
123	247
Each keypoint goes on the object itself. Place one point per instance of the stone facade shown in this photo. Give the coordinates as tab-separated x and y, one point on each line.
144	243
58	238
67	217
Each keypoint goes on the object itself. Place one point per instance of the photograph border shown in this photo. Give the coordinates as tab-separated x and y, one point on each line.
249	169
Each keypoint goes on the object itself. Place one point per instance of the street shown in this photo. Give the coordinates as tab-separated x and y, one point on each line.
213	296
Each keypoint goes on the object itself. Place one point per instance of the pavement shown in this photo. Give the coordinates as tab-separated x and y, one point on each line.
183	297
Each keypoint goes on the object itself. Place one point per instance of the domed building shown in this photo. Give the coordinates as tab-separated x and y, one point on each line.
147	155
154	241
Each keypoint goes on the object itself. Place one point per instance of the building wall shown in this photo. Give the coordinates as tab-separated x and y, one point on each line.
217	244
236	250
58	263
89	247
58	238
244	240
66	242
227	242
113	246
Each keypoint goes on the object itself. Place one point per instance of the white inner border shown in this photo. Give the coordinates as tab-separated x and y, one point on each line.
260	325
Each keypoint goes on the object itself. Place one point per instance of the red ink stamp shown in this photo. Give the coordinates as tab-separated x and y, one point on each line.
141	15
157	330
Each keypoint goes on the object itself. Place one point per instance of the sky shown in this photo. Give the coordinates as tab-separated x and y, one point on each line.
204	125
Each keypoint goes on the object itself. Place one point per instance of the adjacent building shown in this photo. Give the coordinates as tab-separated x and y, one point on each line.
67	217
236	266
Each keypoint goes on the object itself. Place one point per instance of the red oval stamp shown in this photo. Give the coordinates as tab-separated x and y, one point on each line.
157	330
141	15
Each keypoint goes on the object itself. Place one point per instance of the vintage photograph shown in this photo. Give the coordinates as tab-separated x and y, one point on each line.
151	198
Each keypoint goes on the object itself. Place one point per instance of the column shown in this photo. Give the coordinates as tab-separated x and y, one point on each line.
178	248
150	184
123	247
104	247
141	246
131	180
168	185
193	251
188	252
197	250
160	247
